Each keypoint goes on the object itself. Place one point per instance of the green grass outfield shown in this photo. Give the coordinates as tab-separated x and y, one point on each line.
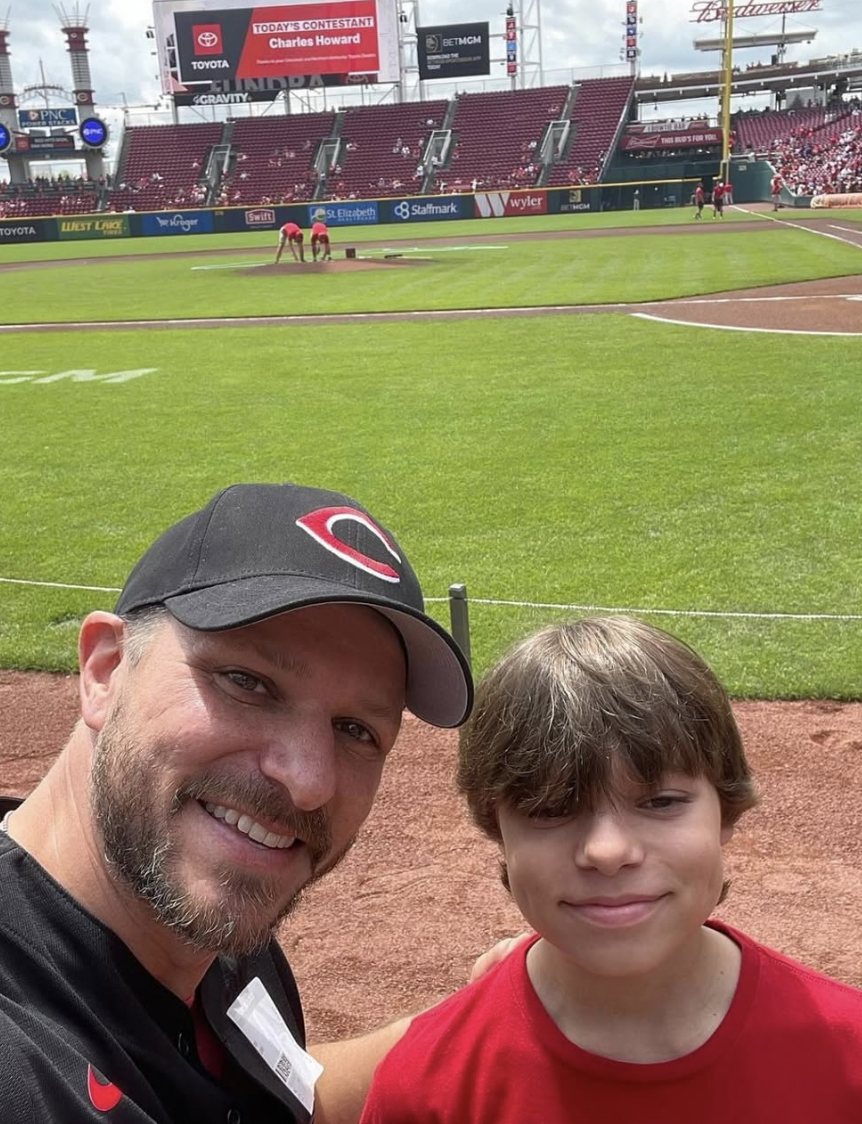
475	275
595	460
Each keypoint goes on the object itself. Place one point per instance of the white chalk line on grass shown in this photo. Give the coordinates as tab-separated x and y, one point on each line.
61	585
809	229
730	614
231	265
739	327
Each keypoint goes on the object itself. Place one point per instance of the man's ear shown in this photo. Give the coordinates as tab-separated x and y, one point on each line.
100	656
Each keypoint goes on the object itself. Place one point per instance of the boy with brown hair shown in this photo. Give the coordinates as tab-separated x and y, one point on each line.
604	758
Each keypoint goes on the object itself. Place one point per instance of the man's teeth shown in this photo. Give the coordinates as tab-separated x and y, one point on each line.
250	827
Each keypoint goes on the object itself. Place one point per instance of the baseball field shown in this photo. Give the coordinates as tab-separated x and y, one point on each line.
618	412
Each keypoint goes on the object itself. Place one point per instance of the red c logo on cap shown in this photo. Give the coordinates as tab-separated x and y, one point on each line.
319	524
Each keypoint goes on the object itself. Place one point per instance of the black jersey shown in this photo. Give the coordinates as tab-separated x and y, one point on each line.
87	1034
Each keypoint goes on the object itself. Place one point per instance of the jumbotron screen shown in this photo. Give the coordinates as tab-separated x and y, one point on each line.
203	41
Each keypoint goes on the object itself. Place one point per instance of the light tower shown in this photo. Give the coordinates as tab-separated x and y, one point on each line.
75	29
8	102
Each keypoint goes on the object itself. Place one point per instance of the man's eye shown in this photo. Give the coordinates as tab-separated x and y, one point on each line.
245	682
356	730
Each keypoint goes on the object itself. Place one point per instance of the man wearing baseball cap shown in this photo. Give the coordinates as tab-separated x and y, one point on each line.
236	712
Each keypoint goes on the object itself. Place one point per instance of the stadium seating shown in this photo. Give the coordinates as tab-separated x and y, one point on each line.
275	157
761	132
163	166
599	105
496	137
54	197
373	163
826	160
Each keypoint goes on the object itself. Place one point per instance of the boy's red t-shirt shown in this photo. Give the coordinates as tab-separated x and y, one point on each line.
788	1051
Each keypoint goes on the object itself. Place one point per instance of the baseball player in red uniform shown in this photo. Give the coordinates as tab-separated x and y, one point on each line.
291	233
775	190
699	200
718	201
320	241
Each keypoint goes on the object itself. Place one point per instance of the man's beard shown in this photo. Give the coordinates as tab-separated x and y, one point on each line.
136	830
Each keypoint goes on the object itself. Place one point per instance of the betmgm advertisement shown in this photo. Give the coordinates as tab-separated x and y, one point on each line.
204	41
456	50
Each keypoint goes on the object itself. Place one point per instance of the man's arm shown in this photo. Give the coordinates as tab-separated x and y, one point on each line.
348	1068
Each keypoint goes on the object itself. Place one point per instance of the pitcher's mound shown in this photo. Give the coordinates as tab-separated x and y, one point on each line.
337	265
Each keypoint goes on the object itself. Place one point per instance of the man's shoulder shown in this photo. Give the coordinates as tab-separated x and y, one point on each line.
16	1077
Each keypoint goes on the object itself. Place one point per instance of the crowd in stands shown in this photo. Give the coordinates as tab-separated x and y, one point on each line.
827	160
50	195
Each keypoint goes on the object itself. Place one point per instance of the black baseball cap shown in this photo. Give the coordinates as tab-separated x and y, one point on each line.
257	550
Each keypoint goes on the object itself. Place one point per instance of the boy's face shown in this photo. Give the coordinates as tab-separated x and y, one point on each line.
622	890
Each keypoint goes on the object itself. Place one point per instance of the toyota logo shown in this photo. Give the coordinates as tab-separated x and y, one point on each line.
208	39
402	210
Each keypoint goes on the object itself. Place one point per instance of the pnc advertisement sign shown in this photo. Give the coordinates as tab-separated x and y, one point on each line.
504	204
335	37
454	50
44	118
711	11
93	226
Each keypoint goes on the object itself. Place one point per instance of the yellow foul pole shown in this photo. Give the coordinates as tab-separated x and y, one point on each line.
728	89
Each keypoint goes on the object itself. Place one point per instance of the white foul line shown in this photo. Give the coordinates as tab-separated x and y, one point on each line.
809	229
658	612
62	585
738	327
538	605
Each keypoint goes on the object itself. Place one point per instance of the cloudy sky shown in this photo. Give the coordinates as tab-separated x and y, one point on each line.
576	33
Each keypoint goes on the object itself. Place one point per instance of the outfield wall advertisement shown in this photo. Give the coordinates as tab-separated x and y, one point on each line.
203	41
92	226
27	230
178	222
426	209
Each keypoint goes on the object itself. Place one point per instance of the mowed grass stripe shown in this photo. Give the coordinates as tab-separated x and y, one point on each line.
548	272
594	460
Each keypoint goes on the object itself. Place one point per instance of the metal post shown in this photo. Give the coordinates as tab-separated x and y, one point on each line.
728	90
459	616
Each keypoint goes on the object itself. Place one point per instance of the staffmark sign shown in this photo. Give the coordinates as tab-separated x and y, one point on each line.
504	204
422	210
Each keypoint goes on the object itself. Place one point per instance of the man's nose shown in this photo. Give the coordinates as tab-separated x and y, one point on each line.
301	757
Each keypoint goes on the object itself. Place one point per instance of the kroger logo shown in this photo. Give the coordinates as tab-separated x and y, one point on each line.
402	210
177	222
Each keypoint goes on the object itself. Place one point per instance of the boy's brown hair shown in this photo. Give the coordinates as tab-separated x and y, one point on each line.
569	704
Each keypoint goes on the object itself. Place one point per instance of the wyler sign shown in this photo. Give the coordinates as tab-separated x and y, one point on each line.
503	204
454	50
338	37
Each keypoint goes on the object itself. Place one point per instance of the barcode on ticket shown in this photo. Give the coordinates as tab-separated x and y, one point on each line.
283	1068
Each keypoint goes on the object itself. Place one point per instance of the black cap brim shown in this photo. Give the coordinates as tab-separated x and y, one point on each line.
439	683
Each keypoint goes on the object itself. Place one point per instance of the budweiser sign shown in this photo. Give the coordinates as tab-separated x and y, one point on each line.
710	11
